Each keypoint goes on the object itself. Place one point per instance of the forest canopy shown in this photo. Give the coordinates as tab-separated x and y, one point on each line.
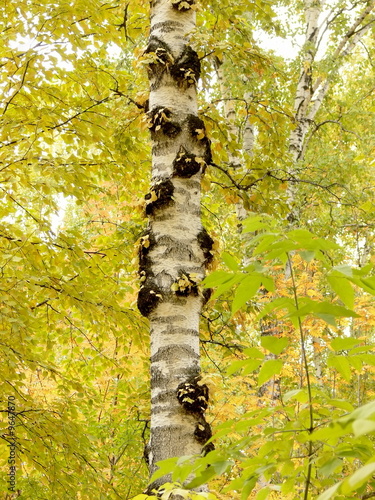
218	181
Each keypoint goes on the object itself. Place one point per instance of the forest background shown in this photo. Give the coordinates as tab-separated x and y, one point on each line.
287	337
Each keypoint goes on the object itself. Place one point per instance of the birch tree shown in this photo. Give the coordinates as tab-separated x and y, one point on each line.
311	90
74	346
175	249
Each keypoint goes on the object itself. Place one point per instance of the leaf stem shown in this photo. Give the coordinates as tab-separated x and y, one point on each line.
308	382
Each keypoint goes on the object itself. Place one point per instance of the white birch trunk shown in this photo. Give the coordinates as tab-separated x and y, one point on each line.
310	95
175	248
229	113
302	99
308	100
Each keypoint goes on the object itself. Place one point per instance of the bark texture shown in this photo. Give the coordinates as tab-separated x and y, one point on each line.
175	249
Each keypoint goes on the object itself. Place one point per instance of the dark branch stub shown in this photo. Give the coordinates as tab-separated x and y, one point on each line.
193	396
186	165
187	68
149	297
161	195
160	121
202	434
206	244
183	5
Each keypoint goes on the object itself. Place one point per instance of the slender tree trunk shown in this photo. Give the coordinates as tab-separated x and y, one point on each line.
302	99
308	100
175	248
310	93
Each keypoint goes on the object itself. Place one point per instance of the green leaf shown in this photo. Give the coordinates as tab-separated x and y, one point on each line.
229	284
164	467
203	477
345	270
144	497
222	466
248	487
274	344
306	255
370	284
323	309
330	492
245	291
358	478
363	426
329	467
363	411
255	223
277	304
341	364
344	343
266	240
251	365
253	352
263	494
340	403
343	288
217	278
236	366
270	368
292	394
230	261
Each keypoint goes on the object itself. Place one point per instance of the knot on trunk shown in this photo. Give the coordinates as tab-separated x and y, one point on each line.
149	296
161	195
186	165
202	434
183	5
206	244
159	120
187	68
193	396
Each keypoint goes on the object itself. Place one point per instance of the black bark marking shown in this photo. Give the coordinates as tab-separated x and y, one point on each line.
162	398
312	35
203	433
186	284
179	251
206	244
146	454
162	58
187	68
193	396
198	132
161	380
159	121
149	296
169	352
207	153
196	127
183	5
166	26
161	195
160	148
146	244
186	165
207	292
169	319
